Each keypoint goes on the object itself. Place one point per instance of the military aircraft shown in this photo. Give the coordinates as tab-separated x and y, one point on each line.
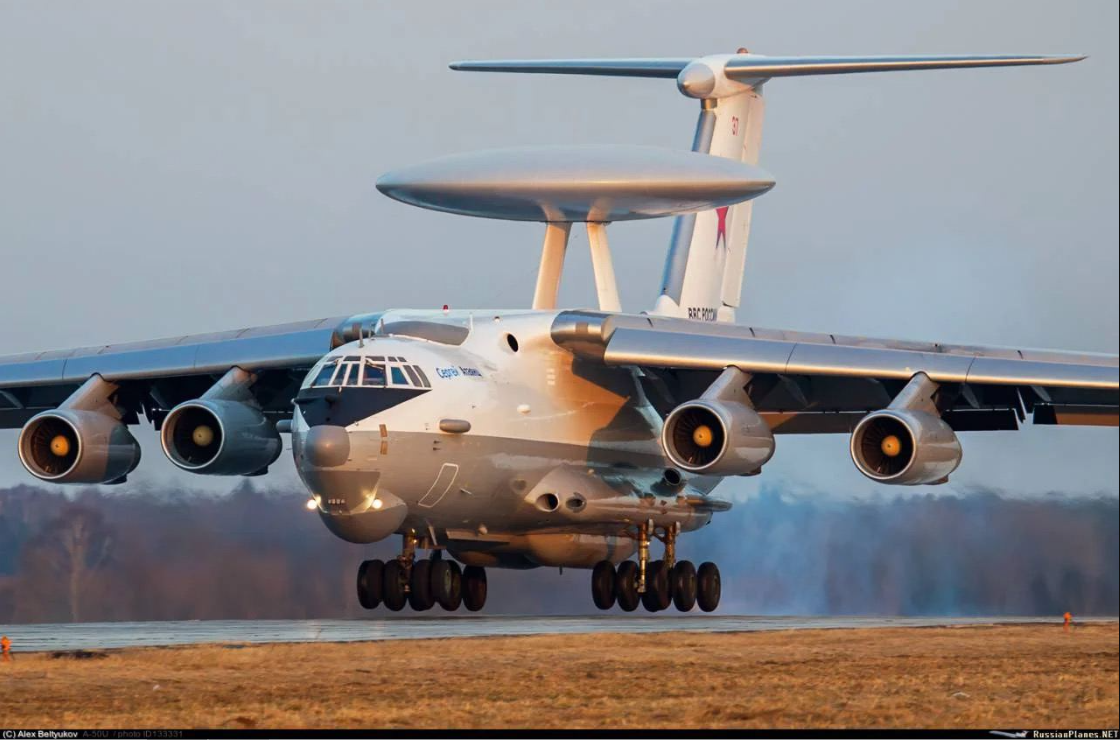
549	437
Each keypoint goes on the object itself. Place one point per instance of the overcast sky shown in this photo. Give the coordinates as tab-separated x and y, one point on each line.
183	167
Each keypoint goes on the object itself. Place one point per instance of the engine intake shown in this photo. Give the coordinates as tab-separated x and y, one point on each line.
77	446
717	437
215	437
905	447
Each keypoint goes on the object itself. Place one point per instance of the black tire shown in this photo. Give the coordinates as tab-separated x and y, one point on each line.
447	584
420	586
392	586
602	584
369	583
683	579
474	587
656	597
707	587
626	586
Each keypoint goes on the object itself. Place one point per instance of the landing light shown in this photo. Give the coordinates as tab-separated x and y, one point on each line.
377	503
311	504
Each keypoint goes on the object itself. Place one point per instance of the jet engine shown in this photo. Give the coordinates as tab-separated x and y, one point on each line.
905	448
219	438
81	441
720	433
717	438
223	432
907	443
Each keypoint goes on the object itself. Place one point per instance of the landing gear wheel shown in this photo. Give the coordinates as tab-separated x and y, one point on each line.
369	583
626	586
602	584
707	587
447	584
657	596
683	579
474	587
420	586
392	586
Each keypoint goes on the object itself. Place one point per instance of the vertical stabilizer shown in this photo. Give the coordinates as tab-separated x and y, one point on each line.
704	270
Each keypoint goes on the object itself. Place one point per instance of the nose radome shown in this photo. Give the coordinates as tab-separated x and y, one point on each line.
327	446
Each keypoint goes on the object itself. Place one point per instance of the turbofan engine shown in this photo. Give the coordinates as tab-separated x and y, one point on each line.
77	446
907	443
719	433
219	438
905	448
223	432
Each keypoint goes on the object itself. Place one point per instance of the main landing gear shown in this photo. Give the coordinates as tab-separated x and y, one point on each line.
421	584
656	584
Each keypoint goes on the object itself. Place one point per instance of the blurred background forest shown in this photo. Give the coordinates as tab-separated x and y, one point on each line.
256	553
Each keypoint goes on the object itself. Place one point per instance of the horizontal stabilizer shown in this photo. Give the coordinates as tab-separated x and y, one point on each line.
708	76
754	66
605	67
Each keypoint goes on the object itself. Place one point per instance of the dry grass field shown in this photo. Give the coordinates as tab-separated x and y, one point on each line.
975	677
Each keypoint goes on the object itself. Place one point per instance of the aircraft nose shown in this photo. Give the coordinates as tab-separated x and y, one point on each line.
326	446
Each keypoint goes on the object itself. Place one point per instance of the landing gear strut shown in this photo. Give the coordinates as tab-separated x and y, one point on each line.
656	584
420	584
396	578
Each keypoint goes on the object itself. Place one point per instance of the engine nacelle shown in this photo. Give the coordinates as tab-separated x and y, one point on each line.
77	446
218	437
905	447
717	437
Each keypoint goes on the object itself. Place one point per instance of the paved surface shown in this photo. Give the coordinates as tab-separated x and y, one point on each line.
31	637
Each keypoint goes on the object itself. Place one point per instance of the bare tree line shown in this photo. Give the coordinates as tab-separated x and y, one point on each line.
258	554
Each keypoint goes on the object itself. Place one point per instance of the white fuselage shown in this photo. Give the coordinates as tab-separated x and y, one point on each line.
502	437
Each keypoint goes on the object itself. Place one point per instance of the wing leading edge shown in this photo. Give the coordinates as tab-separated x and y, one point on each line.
825	383
158	374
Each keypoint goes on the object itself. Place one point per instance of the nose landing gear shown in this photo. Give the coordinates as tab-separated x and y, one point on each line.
421	584
656	584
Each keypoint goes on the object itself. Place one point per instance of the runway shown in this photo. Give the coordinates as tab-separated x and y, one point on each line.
94	635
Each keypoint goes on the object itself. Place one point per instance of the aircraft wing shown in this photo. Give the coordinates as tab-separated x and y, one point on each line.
154	376
818	383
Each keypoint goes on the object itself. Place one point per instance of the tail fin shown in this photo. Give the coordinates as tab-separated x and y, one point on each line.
704	270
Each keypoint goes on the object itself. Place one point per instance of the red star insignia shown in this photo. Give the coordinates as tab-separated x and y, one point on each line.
721	228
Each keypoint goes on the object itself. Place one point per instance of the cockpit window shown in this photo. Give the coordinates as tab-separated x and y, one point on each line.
413	376
374	375
343	371
337	373
369	372
324	376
